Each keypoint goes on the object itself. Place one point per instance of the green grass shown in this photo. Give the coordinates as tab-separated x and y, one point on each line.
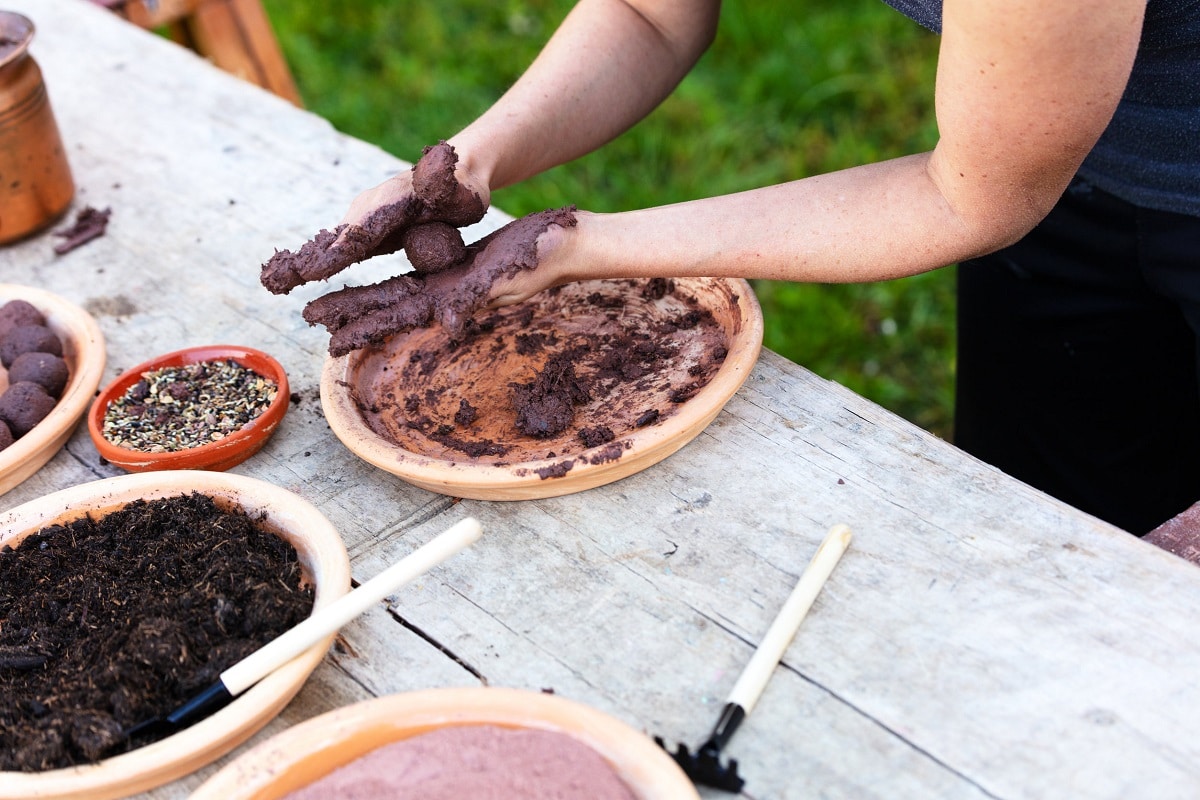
785	92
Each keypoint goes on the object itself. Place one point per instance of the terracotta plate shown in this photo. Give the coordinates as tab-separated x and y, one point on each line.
83	350
222	454
312	749
658	361
323	557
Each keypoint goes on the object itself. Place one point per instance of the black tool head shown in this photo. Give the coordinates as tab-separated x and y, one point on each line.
704	766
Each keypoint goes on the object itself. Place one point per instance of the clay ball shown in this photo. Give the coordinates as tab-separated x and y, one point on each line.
45	369
18	312
433	247
23	405
6	437
28	339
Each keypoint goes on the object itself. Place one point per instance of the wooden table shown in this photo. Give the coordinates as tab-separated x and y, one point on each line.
979	640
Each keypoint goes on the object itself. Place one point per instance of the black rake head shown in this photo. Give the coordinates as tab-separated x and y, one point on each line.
705	767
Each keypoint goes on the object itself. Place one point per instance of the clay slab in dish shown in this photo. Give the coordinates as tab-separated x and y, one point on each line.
661	365
83	350
222	454
324	561
309	751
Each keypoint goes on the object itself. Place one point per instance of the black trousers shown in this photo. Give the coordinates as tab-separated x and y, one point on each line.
1079	351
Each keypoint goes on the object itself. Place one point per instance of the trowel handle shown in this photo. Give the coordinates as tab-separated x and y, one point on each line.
329	619
754	677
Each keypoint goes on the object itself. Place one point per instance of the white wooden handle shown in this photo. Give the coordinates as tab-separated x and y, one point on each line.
754	677
254	667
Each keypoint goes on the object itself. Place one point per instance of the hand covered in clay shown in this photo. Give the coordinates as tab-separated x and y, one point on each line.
498	269
419	210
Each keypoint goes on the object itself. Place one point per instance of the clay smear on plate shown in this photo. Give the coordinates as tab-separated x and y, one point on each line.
569	372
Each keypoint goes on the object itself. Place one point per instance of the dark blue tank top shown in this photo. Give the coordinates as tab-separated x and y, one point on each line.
1150	152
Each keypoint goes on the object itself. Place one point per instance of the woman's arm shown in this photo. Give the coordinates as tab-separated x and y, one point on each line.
1024	90
608	65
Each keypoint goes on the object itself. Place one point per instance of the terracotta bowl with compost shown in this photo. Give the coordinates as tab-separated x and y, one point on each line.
455	743
51	360
126	600
209	407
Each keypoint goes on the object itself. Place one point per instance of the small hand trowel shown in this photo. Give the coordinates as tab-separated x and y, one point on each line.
265	660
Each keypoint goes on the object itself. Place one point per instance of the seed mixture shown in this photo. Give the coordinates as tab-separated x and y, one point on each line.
178	408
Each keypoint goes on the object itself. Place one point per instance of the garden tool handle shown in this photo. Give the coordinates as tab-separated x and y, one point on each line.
754	677
329	619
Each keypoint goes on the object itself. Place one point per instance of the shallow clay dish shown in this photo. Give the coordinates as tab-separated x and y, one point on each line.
312	749
219	455
688	345
324	561
83	350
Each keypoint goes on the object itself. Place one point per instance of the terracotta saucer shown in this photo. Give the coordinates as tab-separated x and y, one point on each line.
325	563
691	343
219	455
83	350
304	753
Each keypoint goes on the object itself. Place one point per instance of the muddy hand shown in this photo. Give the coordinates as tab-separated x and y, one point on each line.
365	315
419	210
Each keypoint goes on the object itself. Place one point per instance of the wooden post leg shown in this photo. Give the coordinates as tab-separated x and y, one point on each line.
237	36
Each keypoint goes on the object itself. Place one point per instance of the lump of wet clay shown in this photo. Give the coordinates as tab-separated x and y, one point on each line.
45	369
433	247
23	405
19	312
546	405
28	339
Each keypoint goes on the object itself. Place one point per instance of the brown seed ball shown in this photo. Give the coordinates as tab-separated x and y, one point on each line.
23	405
19	312
6	437
45	369
28	339
433	247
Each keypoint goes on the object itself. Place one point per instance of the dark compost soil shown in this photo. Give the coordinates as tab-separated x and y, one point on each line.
108	622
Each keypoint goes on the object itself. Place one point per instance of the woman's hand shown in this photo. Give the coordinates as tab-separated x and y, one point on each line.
507	266
419	210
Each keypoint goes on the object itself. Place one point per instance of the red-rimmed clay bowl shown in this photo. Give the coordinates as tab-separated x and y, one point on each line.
365	394
323	559
217	456
83	350
309	751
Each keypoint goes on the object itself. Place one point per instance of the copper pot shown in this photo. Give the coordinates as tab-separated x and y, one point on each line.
35	179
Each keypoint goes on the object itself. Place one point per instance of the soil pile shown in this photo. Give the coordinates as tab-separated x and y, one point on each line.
108	622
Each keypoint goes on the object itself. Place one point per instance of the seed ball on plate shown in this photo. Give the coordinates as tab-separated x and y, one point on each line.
28	339
23	405
19	312
6	437
45	369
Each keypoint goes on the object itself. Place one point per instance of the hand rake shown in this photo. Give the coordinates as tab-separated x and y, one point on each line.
704	766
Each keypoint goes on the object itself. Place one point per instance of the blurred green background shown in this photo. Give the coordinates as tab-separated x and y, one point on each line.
788	90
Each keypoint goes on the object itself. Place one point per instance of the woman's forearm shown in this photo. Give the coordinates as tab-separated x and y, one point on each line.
607	66
867	223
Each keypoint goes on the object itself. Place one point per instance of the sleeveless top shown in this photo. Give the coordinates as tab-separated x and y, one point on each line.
1149	154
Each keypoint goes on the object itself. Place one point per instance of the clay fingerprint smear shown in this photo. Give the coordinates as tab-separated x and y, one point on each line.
565	374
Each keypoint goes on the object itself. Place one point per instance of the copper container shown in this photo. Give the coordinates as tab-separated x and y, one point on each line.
35	179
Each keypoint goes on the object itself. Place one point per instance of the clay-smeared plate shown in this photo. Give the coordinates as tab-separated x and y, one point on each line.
323	559
443	416
83	350
222	454
309	751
